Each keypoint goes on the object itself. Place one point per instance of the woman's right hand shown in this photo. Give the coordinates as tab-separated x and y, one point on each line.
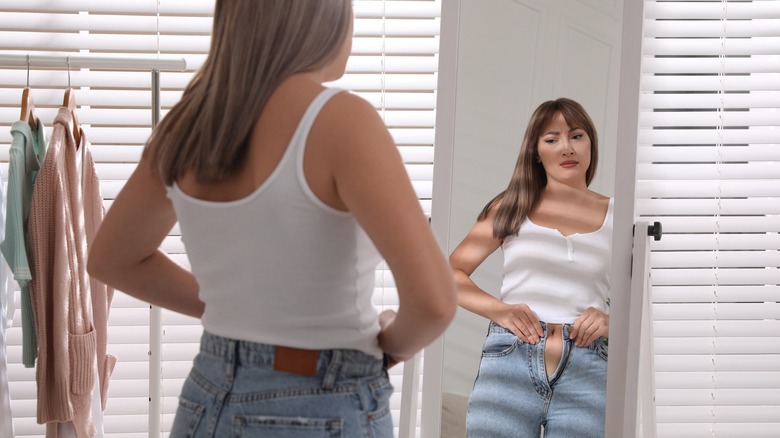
385	318
520	320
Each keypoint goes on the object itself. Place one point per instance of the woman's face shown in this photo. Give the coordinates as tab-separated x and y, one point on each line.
564	151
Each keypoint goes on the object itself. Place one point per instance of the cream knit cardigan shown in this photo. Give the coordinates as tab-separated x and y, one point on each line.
65	213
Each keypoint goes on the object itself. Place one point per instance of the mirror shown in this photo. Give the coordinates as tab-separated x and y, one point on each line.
511	56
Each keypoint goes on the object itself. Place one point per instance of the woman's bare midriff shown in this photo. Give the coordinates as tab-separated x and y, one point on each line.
553	347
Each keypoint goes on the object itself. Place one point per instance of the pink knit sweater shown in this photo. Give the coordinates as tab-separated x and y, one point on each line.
64	214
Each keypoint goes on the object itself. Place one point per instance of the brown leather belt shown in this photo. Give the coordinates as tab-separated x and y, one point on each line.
296	360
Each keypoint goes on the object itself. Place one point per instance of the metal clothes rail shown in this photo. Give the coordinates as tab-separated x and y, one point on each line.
80	61
154	65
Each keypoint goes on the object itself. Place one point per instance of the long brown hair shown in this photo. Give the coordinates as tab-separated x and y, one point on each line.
529	178
255	45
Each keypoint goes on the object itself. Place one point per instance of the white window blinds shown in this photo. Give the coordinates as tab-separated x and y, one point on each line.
394	66
709	170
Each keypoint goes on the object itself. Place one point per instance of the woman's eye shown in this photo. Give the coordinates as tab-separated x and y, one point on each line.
550	141
577	137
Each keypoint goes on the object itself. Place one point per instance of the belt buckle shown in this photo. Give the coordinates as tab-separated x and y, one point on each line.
296	360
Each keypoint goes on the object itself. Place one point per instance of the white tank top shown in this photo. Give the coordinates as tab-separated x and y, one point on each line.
280	266
558	276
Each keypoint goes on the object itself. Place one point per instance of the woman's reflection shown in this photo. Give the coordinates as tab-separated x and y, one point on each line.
544	361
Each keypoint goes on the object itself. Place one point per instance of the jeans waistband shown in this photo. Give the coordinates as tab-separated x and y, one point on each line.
496	328
347	363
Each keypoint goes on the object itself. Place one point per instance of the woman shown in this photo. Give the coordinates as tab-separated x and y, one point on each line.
544	362
284	191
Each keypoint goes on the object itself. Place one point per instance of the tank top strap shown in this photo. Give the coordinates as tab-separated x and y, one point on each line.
610	213
304	126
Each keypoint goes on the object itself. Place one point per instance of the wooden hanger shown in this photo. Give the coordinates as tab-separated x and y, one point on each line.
69	102
28	109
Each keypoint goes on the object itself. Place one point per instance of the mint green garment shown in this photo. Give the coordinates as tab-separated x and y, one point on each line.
25	158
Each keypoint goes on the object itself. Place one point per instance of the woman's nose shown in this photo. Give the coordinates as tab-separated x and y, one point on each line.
567	149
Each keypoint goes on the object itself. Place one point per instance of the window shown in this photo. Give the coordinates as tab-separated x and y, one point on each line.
709	170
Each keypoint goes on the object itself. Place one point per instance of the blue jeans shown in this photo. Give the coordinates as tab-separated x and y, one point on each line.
513	397
233	391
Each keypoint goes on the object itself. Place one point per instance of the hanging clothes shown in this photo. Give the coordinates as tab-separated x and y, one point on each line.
101	294
25	157
7	308
65	212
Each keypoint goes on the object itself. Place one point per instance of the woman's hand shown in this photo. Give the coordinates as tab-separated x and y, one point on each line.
591	325
385	318
521	320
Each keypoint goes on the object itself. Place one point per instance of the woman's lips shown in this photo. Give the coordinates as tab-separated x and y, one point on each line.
569	163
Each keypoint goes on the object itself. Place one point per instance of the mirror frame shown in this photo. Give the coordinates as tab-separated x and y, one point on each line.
621	418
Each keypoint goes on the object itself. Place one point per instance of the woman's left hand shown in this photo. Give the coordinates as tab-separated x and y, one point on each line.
591	325
386	318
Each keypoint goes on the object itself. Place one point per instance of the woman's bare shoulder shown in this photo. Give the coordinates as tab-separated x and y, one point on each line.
348	108
598	197
348	120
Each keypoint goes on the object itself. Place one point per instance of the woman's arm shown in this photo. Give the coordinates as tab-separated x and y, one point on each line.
374	186
125	253
478	244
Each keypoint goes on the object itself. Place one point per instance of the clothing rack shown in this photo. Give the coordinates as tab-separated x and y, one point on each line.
154	65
